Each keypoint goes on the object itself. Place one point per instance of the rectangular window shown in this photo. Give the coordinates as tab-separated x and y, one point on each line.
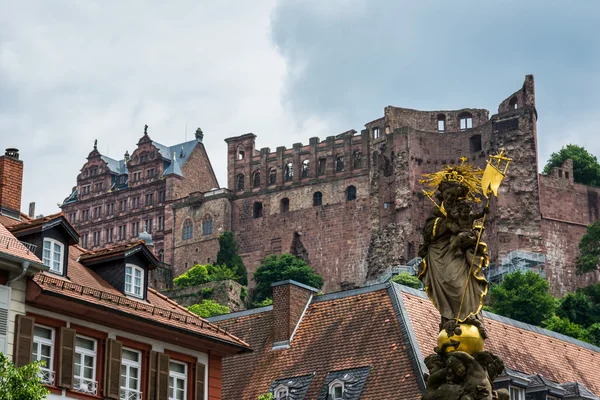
321	165
161	196
96	238
123	179
110	209
517	393
376	133
85	366
83	240
72	218
148	225
85	189
150	173
131	373
122	205
161	223
98	186
135	229
43	350
109	235
122	232
135	202
149	199
97	212
177	381
85	215
53	255
144	158
137	176
134	280
93	171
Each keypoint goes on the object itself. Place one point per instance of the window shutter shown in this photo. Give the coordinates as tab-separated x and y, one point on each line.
4	318
152	375
112	372
162	389
66	357
23	340
200	386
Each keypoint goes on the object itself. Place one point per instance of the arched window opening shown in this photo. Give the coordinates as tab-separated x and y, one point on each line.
257	210
305	168
321	167
336	390
339	163
475	143
441	120
240	153
356	159
289	172
284	205
376	132
350	193
256	179
207	225
188	229
272	176
240	182
466	121
161	255
317	199
513	103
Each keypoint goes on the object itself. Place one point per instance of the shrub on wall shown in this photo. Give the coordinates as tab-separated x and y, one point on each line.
208	308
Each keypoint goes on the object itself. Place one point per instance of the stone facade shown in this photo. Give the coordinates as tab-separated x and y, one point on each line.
352	206
227	293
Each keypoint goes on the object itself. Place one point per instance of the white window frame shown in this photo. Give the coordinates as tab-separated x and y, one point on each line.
279	389
517	393
51	260
47	372
128	365
92	388
178	376
332	386
468	122
132	285
5	296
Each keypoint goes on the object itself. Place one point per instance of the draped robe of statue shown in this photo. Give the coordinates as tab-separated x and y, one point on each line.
444	272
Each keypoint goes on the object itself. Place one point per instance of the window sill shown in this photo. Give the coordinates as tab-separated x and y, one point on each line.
54	389
84	396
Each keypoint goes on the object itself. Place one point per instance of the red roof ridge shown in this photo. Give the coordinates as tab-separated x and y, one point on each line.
101	295
193	314
35	221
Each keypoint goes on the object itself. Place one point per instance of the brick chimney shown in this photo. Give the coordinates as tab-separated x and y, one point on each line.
290	300
11	183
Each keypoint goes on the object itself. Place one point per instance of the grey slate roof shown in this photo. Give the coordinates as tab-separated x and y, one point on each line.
354	380
575	390
182	152
115	166
297	386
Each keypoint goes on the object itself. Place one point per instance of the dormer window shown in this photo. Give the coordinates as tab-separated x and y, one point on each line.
134	280
336	390
281	392
53	255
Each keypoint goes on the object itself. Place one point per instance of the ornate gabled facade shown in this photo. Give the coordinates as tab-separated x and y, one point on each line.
116	200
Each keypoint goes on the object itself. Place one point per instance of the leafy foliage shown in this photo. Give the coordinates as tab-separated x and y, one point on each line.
208	308
266	302
576	307
592	334
286	266
586	168
589	249
206	292
564	326
228	256
200	274
268	396
20	383
406	279
524	297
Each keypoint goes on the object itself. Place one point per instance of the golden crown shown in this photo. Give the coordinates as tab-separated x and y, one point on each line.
454	176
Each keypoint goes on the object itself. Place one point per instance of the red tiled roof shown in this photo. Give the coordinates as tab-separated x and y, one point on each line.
107	251
336	334
9	221
13	247
522	349
84	284
29	223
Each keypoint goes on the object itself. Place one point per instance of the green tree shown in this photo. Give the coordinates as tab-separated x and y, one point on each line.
197	275
564	326
586	168
592	334
577	308
20	383
228	255
406	279
589	249
268	396
286	266
208	308
524	297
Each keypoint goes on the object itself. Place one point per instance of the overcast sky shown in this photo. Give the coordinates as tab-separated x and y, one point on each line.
75	71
